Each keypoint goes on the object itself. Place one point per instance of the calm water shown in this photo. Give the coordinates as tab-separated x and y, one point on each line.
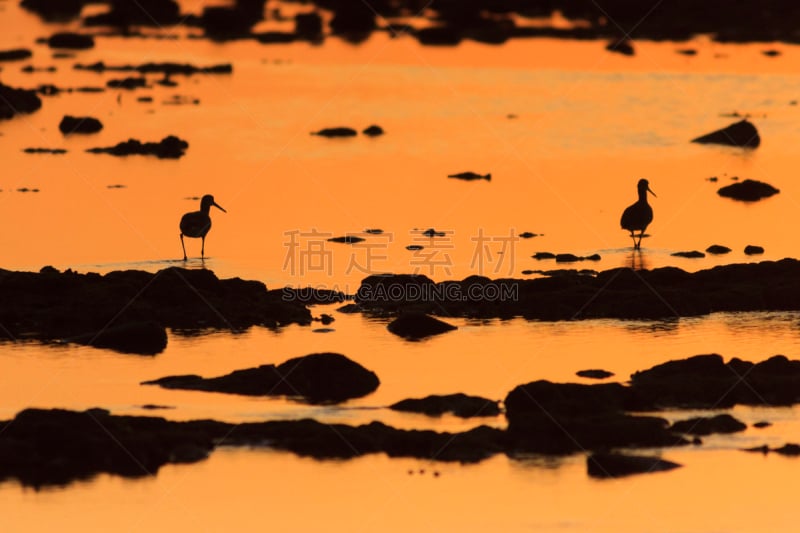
586	125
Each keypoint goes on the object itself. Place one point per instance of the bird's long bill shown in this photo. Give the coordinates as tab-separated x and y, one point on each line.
648	190
215	204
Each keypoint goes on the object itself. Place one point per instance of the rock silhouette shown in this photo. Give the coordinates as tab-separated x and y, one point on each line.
460	405
169	147
748	190
741	133
316	378
70	124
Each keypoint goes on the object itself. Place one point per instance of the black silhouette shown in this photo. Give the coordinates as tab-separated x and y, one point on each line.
198	223
638	216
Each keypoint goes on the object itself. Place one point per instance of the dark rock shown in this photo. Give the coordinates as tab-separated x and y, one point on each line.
374	231
326	319
347	239
771	53
336	132
55	447
55	10
124	14
373	131
594	374
707	425
13	101
169	147
752	249
15	55
621	46
30	69
44	151
567	258
73	41
308	26
415	247
70	124
612	465
129	83
145	99
687	51
741	133
354	21
544	255
51	305
748	190
762	424
416	326
167	69
223	22
430	232
313	295
717	249
527	235
694	254
459	405
560	418
145	338
439	36
317	378
615	293
275	37
789	450
471	176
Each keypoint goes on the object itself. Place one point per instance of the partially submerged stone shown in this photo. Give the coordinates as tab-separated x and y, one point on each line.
169	147
14	101
70	124
723	423
748	190
460	405
694	254
70	40
718	249
416	326
471	176
612	465
594	373
741	133
15	54
316	378
336	132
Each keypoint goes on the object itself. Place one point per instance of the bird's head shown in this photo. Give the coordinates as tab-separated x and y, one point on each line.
207	201
644	188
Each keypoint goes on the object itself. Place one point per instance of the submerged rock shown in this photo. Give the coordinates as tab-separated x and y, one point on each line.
752	249
70	124
169	147
317	378
129	83
694	254
145	338
717	249
55	447
621	46
373	131
347	239
73	41
15	54
52	305
611	465
33	150
741	133
416	326
594	374
471	176
13	101
748	190
707	425
459	405
336	132
166	68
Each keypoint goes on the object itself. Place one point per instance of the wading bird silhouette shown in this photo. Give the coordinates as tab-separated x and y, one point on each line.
197	223
638	216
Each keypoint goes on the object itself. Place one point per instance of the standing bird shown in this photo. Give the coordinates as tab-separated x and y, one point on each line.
639	215
197	223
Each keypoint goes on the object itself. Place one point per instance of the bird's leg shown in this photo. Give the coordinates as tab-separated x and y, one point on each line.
639	244
203	248
633	237
184	247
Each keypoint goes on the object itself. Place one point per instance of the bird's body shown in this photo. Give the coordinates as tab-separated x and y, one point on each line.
197	223
638	216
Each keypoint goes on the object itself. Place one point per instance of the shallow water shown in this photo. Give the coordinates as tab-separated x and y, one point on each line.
588	125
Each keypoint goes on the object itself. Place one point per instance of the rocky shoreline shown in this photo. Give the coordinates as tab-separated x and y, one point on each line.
55	447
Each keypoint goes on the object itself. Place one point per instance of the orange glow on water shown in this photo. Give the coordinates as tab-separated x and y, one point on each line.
565	128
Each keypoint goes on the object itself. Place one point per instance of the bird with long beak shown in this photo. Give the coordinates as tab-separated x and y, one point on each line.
638	216
198	223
